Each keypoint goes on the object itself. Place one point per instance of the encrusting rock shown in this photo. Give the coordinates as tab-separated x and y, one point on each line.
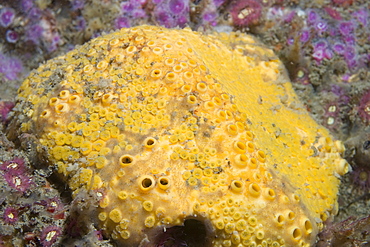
176	130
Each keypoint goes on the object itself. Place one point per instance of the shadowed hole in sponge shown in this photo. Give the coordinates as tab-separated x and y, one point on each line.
192	234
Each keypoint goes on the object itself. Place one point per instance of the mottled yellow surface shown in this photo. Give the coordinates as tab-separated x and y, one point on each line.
167	125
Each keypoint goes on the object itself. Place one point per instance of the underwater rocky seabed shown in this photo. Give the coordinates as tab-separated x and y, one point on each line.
324	45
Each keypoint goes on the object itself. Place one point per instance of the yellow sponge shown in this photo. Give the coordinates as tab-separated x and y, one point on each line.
168	125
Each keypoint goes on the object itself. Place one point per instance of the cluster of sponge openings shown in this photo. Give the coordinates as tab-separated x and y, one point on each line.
148	124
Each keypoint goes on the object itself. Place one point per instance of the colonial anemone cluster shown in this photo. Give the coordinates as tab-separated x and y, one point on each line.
25	222
171	125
